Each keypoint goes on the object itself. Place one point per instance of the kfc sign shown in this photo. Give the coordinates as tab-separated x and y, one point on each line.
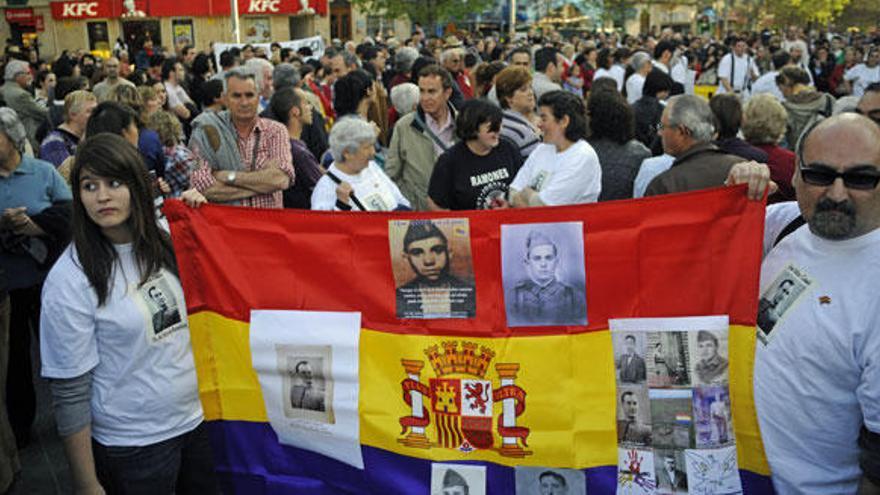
80	9
264	6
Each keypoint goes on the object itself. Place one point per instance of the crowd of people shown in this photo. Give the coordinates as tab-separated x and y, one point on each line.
89	149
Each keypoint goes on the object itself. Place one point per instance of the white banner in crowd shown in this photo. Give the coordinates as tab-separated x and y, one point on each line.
316	43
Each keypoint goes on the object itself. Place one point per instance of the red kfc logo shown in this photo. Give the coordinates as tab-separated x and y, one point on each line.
80	9
263	6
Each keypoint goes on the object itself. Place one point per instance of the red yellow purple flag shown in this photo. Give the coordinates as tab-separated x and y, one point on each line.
412	352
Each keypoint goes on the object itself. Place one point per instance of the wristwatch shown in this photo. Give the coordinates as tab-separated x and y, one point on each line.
230	178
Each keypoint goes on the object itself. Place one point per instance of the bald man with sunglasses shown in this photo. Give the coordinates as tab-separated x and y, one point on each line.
817	375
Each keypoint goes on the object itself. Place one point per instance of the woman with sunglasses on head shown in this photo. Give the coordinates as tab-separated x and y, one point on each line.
476	172
115	342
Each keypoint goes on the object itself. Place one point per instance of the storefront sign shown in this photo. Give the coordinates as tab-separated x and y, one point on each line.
80	9
20	16
263	6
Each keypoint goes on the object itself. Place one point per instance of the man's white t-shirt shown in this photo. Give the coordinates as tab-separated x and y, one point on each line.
767	84
371	187
817	381
861	76
176	95
601	72
743	69
571	177
679	70
144	387
618	72
634	86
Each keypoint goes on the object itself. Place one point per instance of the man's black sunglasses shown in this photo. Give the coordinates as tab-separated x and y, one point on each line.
864	177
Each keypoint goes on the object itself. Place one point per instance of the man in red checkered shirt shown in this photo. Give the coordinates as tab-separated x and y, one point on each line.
262	167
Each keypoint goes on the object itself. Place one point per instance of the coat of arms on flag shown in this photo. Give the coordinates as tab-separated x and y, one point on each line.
461	401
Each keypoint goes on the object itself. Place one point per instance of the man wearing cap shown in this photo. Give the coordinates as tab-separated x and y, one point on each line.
454	484
18	80
434	292
542	298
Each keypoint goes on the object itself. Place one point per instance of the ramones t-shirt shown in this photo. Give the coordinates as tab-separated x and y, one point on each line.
463	180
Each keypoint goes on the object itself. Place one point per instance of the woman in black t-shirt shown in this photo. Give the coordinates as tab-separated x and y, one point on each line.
476	172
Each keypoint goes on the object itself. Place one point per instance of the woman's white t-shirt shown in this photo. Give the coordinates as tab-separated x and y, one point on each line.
371	187
571	177
136	345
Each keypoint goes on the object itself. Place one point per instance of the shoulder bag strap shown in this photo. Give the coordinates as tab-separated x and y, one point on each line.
354	198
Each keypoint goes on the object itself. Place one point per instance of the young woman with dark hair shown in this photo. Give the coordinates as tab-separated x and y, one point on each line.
115	343
475	173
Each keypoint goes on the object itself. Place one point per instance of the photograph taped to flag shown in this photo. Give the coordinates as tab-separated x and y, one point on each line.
538	480
683	418
433	271
542	266
307	364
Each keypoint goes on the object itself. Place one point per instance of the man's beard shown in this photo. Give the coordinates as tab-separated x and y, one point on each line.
833	220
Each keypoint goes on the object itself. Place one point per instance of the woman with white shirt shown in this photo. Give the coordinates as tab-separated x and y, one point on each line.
641	65
565	168
354	181
115	342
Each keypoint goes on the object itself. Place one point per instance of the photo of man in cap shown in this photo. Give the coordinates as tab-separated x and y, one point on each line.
541	297
434	292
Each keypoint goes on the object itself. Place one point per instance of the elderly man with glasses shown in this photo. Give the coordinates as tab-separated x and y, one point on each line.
817	376
16	94
687	128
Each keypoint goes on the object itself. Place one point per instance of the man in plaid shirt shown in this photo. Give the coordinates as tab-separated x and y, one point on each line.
266	166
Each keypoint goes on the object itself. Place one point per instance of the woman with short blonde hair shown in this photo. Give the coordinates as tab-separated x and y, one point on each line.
764	125
61	142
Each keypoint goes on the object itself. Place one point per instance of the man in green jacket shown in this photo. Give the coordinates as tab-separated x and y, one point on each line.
422	136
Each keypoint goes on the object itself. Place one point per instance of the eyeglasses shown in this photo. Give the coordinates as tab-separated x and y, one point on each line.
862	177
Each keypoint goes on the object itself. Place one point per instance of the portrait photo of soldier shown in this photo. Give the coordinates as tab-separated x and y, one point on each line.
543	274
633	416
307	384
708	357
427	284
457	479
536	480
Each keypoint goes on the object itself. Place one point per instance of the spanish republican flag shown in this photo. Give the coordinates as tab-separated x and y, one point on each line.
375	352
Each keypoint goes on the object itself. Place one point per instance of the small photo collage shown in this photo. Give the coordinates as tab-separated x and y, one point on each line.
674	420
